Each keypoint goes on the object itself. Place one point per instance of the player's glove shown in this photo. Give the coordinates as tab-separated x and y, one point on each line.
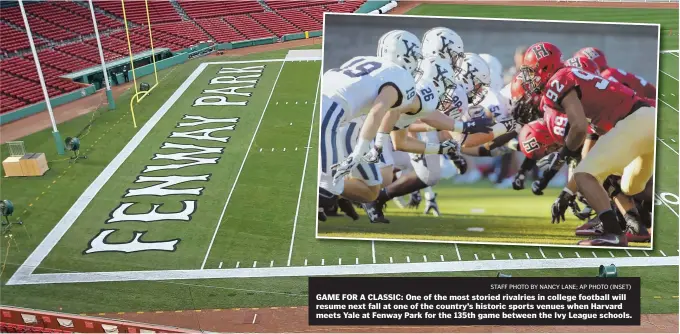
343	168
518	182
449	147
373	156
547	161
476	125
559	207
537	188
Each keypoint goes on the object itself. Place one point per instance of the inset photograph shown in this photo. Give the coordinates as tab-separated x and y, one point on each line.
487	131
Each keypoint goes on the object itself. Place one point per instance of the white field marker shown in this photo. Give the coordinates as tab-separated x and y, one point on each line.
510	255
254	264
627	252
284	149
542	254
305	262
260	149
577	254
220	266
340	261
391	260
441	257
527	254
271	264
408	259
323	262
424	258
612	254
457	252
254	318
476	257
645	253
594	255
662	253
560	253
357	260
493	256
237	264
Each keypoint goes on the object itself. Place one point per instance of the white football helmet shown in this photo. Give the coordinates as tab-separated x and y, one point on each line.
400	47
444	43
475	76
440	73
496	70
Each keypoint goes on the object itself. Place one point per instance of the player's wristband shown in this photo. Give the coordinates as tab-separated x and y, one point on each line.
381	139
431	148
457	126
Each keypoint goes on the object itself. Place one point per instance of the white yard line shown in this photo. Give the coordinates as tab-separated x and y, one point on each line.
670	106
304	171
243	163
664	142
362	269
373	249
676	79
457	252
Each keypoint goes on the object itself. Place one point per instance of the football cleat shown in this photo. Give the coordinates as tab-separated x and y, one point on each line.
641	235
608	239
374	212
591	228
346	206
431	205
321	215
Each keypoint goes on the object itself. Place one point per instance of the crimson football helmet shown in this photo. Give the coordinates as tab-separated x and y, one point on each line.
525	100
535	140
540	62
595	55
583	63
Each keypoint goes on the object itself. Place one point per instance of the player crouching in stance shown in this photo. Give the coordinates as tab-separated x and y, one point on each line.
435	101
624	121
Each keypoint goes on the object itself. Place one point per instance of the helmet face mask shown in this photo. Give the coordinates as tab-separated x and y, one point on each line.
540	62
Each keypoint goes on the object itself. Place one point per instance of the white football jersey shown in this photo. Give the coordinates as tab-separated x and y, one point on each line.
495	104
428	103
506	97
358	82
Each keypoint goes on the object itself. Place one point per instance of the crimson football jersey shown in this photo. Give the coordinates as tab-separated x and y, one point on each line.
556	121
604	102
641	86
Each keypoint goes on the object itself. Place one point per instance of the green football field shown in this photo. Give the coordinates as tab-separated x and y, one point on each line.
213	206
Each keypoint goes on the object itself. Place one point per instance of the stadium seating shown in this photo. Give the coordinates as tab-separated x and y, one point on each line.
220	30
63	34
275	23
301	19
89	52
135	11
285	4
249	27
315	13
62	61
39	26
204	9
14	40
185	29
103	21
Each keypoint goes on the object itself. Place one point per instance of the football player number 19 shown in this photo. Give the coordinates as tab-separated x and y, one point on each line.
359	68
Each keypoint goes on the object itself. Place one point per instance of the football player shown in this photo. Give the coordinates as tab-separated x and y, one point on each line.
624	120
636	83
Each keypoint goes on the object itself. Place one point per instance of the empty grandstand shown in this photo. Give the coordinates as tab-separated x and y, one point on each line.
63	34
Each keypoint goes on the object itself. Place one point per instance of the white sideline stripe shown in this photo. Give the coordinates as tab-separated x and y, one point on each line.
457	252
304	170
676	79
670	106
362	269
243	163
51	240
373	249
664	142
